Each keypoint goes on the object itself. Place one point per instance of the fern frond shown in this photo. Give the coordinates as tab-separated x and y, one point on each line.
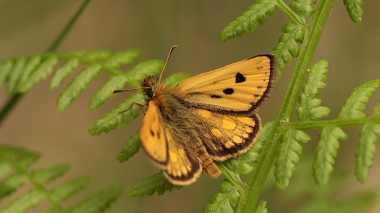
288	156
249	20
327	150
122	58
142	70
77	86
174	79
98	202
260	208
22	73
118	116
287	48
25	202
324	199
157	184
11	184
104	93
18	162
42	176
69	188
367	145
15	74
354	9
131	147
31	65
5	69
366	150
4	168
303	7
64	71
224	201
310	108
355	104
131	77
38	74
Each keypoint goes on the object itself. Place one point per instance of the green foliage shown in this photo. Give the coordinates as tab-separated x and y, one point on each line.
22	73
303	7
131	147
288	156
327	150
77	86
288	48
157	184
310	108
315	199
222	202
355	104
260	208
122	115
249	20
366	150
64	71
354	9
367	146
37	73
15	171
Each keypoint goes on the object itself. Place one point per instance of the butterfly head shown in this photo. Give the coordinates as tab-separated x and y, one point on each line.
150	84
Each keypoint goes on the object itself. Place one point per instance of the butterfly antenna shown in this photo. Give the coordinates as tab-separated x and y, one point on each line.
167	60
124	90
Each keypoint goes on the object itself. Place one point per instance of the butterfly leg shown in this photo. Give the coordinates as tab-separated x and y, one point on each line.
142	107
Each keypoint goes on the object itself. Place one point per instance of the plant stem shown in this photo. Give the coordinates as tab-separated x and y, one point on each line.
290	13
53	47
335	122
257	179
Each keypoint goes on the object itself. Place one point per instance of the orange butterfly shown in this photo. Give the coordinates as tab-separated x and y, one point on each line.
211	116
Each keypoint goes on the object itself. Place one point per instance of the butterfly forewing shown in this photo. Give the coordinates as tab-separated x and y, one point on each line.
152	136
240	87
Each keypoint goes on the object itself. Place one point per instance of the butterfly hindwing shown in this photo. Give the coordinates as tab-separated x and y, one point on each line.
162	144
240	87
184	167
225	135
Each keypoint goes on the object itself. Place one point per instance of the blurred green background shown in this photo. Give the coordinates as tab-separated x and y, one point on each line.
29	26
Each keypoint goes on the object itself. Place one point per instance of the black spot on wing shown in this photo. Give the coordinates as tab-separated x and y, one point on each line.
152	133
228	91
239	78
216	96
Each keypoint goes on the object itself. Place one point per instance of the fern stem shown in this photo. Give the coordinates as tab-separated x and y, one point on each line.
335	122
290	13
257	179
53	47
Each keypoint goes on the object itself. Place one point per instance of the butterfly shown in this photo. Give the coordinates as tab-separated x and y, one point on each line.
206	118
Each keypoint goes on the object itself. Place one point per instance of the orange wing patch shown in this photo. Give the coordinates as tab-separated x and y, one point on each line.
226	136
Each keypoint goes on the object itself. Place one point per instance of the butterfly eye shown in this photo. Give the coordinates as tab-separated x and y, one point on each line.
150	93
